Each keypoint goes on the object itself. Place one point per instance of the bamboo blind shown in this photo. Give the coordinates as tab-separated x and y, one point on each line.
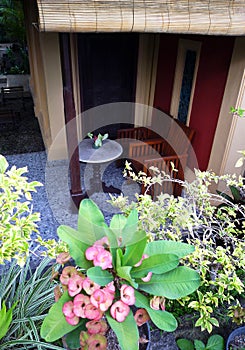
218	17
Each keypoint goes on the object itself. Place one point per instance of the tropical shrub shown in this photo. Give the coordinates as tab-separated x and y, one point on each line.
17	219
116	268
196	219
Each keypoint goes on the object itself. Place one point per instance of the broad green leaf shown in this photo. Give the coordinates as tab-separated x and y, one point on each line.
215	342
54	325
99	276
162	319
134	252
199	345
124	273
77	248
169	247
72	338
174	284
159	263
135	238
126	332
117	224
130	228
185	344
90	222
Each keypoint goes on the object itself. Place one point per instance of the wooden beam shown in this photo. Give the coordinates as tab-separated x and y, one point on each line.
70	119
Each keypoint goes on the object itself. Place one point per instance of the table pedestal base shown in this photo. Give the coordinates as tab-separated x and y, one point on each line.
97	185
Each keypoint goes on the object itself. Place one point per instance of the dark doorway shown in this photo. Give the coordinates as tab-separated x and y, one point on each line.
108	69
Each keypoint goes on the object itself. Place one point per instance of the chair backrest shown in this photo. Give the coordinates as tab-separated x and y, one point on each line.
166	165
139	133
145	149
179	138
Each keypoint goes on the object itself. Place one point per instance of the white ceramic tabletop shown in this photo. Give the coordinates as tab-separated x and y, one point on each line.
109	151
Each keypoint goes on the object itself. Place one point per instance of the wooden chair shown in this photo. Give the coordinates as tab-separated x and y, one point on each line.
166	164
141	150
11	93
7	116
172	149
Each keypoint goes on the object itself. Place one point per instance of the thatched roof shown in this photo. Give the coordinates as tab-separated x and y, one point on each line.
216	17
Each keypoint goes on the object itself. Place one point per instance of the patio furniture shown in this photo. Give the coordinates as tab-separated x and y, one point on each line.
166	164
13	93
99	158
7	116
174	148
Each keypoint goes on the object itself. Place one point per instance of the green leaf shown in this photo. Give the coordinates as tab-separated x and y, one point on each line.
54	325
126	332
185	344
159	263
133	252
174	284
99	276
117	224
199	345
162	319
5	319
90	222
236	193
119	256
130	228
215	342
3	164
77	248
72	338
165	247
124	272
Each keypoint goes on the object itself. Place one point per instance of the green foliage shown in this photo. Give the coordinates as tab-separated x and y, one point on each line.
127	246
215	342
16	216
215	231
28	294
12	21
5	319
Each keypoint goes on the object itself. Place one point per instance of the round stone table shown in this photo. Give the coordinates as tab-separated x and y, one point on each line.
109	151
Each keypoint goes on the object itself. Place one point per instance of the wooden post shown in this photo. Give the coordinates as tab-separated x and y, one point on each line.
70	119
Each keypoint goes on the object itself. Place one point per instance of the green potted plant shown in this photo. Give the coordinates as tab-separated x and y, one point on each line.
116	268
97	140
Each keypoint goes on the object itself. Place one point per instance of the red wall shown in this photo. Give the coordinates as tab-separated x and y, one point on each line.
210	84
168	49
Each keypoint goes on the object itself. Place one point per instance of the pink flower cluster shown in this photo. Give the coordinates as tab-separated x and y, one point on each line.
99	255
90	300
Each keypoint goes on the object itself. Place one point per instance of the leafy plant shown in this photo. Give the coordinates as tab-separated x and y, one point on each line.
98	140
116	269
28	294
194	218
215	342
16	216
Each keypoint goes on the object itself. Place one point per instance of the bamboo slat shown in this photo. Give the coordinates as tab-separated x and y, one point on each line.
215	17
